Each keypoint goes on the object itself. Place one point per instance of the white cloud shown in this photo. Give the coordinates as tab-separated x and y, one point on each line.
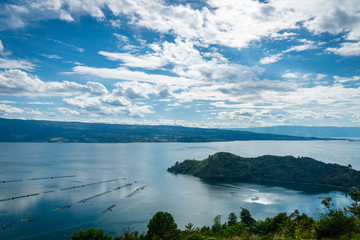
115	23
51	56
290	75
102	106
347	49
298	48
13	16
181	58
125	74
271	59
312	105
355	80
40	103
7	109
134	90
122	38
64	15
229	23
1	47
17	82
19	64
87	103
79	49
186	69
129	60
33	112
335	17
320	76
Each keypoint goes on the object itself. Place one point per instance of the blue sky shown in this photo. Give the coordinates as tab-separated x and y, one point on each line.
205	63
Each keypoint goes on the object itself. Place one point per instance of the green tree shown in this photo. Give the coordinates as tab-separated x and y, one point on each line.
90	234
334	222
232	219
162	226
216	227
189	227
276	223
245	217
354	208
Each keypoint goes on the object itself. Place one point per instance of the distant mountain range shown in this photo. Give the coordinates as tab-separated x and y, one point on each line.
14	130
302	131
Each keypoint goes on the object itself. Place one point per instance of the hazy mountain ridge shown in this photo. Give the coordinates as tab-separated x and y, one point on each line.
308	131
224	166
14	130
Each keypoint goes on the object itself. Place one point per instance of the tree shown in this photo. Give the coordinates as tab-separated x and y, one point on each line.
232	219
334	222
189	227
354	208
162	226
216	227
90	234
245	216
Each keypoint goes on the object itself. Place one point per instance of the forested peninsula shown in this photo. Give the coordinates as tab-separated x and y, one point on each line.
224	166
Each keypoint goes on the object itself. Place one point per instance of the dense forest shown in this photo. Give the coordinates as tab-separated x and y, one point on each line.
331	223
14	130
224	166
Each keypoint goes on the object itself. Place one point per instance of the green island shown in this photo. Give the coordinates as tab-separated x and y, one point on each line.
224	166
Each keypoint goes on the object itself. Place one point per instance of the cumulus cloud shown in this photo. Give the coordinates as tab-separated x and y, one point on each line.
6	63
271	59
353	81
104	106
290	75
347	49
7	109
18	82
64	15
180	57
335	17
134	90
229	23
186	69
321	103
126	74
91	97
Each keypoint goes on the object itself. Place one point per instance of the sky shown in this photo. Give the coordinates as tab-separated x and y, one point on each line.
198	63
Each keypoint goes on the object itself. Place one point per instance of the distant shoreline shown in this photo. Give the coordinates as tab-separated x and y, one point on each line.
16	130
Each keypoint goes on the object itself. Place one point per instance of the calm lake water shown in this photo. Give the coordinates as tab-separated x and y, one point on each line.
101	174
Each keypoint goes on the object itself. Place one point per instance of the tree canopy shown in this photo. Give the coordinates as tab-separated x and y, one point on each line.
224	166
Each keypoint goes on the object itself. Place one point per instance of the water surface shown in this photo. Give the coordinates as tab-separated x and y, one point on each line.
55	212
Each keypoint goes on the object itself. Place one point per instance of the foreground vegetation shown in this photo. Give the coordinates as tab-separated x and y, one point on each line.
332	223
224	166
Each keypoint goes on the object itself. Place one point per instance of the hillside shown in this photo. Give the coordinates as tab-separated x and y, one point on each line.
13	130
224	166
308	131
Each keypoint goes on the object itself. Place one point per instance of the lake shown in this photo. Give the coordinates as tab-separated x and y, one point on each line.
50	190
